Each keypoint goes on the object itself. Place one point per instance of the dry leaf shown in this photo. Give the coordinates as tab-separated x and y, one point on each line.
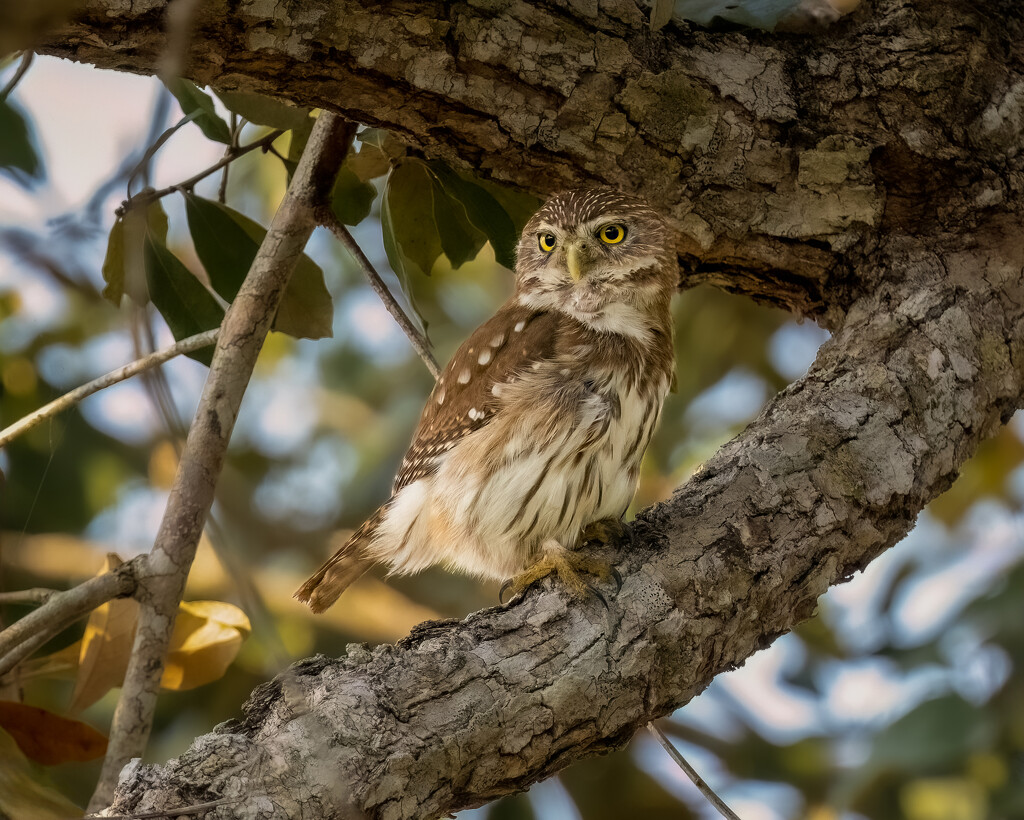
207	637
105	647
47	738
24	797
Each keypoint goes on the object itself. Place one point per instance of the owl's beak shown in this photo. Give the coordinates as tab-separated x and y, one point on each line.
573	261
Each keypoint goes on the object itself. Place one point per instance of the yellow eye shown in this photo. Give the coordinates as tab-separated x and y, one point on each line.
612	234
547	242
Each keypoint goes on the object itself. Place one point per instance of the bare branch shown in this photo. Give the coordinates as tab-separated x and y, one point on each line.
151	815
63	609
36	595
419	342
230	155
691	773
58	405
242	334
21	71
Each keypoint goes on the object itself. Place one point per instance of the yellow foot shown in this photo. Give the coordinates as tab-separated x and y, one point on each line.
607	531
569	566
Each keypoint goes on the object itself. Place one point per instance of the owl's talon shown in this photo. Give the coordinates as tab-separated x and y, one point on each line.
569	567
501	592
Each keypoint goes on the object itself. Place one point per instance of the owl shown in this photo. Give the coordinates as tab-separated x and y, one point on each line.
532	438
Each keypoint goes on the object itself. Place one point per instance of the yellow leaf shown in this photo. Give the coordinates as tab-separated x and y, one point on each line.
105	647
207	637
47	738
21	795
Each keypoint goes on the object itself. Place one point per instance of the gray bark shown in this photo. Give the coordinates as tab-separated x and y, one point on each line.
868	176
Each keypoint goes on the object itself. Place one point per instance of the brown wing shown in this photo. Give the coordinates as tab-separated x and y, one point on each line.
462	401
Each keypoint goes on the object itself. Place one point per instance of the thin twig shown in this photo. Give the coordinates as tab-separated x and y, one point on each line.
691	773
36	595
242	334
147	815
28	647
145	197
236	130
143	165
63	609
419	342
23	66
200	340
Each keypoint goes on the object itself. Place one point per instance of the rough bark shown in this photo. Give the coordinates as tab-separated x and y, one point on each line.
772	155
868	177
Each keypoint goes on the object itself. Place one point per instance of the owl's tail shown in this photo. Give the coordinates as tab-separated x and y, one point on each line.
346	566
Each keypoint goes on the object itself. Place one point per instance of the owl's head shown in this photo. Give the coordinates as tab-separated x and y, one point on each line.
589	247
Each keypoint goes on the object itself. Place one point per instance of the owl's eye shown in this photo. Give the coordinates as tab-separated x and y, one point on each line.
612	234
547	242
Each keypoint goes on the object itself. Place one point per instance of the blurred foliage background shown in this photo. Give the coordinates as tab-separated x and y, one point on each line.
904	697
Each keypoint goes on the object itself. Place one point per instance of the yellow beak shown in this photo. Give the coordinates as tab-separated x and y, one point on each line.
572	259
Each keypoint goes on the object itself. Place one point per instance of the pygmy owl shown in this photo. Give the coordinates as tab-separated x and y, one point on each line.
537	426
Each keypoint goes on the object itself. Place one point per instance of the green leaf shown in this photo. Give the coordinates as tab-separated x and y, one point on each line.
368	164
113	264
184	302
519	205
407	218
222	245
297	144
352	198
195	101
460	241
264	110
384	141
227	242
123	265
483	211
19	158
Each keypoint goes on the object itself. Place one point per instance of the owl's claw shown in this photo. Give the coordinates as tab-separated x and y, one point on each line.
569	566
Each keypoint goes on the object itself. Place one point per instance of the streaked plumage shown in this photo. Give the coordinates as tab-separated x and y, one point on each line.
537	426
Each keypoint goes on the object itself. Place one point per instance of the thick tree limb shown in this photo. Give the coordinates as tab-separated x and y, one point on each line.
832	473
771	155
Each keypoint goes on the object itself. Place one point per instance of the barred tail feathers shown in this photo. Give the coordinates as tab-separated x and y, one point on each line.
342	569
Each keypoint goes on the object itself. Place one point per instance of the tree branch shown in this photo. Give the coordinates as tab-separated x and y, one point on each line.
833	472
61	609
691	773
771	156
242	333
231	153
419	342
58	405
35	595
868	177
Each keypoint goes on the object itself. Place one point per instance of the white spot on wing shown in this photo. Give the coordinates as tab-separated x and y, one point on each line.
485	356
519	326
440	396
464	376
